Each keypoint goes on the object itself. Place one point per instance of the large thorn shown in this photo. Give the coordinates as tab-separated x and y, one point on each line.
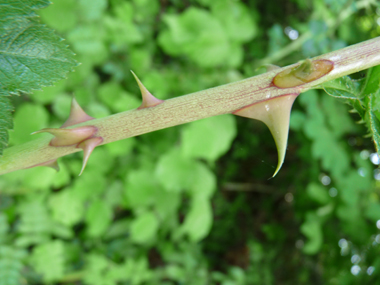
148	100
88	146
275	113
67	137
77	115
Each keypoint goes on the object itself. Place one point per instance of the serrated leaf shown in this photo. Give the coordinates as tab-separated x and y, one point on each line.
10	265
35	223
5	121
372	83
374	123
343	87
31	55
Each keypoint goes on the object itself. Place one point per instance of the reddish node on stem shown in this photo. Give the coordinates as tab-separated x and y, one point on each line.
77	115
148	100
305	72
88	146
67	137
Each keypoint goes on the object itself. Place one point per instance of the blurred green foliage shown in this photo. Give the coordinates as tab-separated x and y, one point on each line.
192	204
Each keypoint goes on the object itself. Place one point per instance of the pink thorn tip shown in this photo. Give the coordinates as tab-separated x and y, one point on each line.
67	137
77	115
51	163
88	146
148	99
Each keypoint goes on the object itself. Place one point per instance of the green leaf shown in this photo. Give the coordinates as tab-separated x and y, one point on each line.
343	87
28	118
140	188
208	138
121	148
203	181
312	229
48	259
372	83
31	55
88	42
374	122
4	227
35	223
197	34
116	98
98	218
61	15
92	10
198	220
318	193
5	121
10	265
172	171
236	20
91	183
144	228
66	208
373	212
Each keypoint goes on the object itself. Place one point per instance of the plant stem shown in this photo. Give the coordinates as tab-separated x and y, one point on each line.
219	100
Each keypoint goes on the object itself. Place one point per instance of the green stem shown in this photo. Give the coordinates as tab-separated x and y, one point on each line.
219	100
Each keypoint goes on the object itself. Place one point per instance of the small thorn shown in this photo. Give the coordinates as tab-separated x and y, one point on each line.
77	115
148	100
360	122
367	136
352	111
67	137
88	146
51	163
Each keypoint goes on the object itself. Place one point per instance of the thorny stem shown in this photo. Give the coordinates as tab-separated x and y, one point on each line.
219	100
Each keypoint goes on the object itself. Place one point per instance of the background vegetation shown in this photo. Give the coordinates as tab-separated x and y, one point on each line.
193	204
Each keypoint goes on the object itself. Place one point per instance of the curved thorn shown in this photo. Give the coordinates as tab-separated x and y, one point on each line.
148	100
275	113
88	146
77	115
67	137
